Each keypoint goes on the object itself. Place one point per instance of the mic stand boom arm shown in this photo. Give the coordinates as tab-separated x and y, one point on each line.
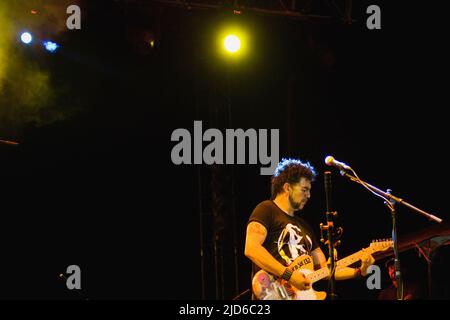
390	201
391	197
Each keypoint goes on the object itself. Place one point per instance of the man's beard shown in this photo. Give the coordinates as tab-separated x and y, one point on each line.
294	205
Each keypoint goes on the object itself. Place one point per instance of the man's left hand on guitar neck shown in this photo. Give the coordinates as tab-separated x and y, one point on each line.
366	261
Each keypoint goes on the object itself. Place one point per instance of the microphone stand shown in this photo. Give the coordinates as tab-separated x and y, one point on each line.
397	269
390	201
332	236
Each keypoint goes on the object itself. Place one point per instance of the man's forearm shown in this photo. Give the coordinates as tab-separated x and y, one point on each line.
263	259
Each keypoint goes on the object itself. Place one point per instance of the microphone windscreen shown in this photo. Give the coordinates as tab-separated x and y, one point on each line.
329	160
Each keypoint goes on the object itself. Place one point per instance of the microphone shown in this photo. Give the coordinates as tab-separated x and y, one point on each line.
331	162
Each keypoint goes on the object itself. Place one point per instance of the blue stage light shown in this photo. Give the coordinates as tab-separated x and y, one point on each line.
50	46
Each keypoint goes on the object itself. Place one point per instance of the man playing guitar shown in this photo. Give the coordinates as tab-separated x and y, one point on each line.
276	236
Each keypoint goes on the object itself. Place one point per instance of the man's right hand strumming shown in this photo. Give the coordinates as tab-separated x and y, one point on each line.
299	281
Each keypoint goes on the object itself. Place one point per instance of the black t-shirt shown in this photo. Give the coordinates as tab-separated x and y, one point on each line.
287	237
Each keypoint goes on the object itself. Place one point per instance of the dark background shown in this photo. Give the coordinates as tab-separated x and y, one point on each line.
97	188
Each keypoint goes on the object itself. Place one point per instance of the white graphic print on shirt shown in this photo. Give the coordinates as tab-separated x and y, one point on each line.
296	241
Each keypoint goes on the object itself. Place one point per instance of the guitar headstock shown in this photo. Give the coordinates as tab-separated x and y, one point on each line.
381	245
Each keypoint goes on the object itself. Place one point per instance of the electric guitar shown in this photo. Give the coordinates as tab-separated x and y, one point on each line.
267	287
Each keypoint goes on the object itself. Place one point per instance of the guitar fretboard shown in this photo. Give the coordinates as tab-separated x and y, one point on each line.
323	272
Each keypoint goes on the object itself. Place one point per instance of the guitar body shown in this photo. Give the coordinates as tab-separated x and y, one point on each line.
266	287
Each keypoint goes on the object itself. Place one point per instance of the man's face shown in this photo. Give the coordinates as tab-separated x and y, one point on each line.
299	194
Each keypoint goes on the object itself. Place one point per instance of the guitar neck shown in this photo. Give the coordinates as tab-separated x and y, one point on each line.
323	272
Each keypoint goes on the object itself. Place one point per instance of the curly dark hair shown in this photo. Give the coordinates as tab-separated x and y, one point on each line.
290	171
